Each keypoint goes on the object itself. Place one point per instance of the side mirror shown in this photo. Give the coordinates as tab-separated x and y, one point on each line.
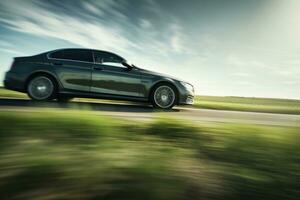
128	67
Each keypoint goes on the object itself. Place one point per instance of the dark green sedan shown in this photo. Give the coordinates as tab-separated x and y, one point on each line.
66	73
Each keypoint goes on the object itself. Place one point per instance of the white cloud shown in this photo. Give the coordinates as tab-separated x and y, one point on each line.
176	39
11	51
245	83
144	23
84	33
92	8
285	73
242	62
235	61
241	74
292	82
5	44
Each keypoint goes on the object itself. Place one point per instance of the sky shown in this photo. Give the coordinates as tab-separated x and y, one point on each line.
224	48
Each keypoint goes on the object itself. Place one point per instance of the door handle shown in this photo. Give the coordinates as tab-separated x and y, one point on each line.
98	68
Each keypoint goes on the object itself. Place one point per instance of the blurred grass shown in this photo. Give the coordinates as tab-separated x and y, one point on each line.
9	93
75	156
283	106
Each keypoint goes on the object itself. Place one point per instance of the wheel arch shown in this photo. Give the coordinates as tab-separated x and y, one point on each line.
40	73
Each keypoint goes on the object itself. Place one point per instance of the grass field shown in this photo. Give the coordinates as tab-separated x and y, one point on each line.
73	155
9	93
283	106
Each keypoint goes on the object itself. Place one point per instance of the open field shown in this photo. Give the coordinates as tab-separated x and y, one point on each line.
72	155
283	106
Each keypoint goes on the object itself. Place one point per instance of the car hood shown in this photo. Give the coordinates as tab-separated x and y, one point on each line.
152	73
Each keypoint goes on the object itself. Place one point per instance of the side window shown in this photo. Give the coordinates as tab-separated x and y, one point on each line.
78	54
57	54
73	54
99	57
110	59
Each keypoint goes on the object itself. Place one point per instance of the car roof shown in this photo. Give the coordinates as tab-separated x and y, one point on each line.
103	51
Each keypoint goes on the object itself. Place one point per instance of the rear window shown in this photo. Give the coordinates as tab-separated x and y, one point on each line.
74	54
57	54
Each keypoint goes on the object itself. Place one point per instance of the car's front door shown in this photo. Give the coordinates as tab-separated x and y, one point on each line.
74	68
109	76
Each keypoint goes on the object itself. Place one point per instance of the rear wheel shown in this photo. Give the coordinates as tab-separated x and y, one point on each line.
41	88
163	96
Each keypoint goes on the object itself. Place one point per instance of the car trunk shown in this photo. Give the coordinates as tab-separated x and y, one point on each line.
19	60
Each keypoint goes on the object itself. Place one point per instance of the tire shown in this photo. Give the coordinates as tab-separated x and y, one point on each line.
163	96
42	88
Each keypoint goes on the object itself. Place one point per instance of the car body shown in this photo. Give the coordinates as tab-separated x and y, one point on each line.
92	73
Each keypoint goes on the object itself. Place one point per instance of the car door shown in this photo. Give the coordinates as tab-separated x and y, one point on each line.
109	76
74	68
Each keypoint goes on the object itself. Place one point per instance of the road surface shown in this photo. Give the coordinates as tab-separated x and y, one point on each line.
140	112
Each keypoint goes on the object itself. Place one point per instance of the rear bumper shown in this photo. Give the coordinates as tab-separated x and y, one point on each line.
12	82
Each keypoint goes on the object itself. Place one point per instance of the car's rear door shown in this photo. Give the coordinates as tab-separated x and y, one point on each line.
109	76
74	68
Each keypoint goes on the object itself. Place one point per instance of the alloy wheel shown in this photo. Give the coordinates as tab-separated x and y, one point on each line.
40	88
164	96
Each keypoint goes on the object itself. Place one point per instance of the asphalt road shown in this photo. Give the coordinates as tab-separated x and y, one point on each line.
142	112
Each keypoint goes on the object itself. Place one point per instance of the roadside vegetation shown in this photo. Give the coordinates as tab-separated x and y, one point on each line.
9	93
50	155
282	106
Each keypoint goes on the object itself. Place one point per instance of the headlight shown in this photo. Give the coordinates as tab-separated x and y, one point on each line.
187	86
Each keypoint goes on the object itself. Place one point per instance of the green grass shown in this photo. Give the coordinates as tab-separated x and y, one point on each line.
76	156
283	106
9	93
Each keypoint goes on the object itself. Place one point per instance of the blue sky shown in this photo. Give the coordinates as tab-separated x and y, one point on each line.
230	48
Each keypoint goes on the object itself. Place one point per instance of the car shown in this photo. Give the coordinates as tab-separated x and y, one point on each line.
67	73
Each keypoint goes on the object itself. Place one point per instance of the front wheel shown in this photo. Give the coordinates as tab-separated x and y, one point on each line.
163	96
41	88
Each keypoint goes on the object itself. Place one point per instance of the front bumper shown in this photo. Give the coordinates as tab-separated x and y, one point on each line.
186	100
186	97
190	100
